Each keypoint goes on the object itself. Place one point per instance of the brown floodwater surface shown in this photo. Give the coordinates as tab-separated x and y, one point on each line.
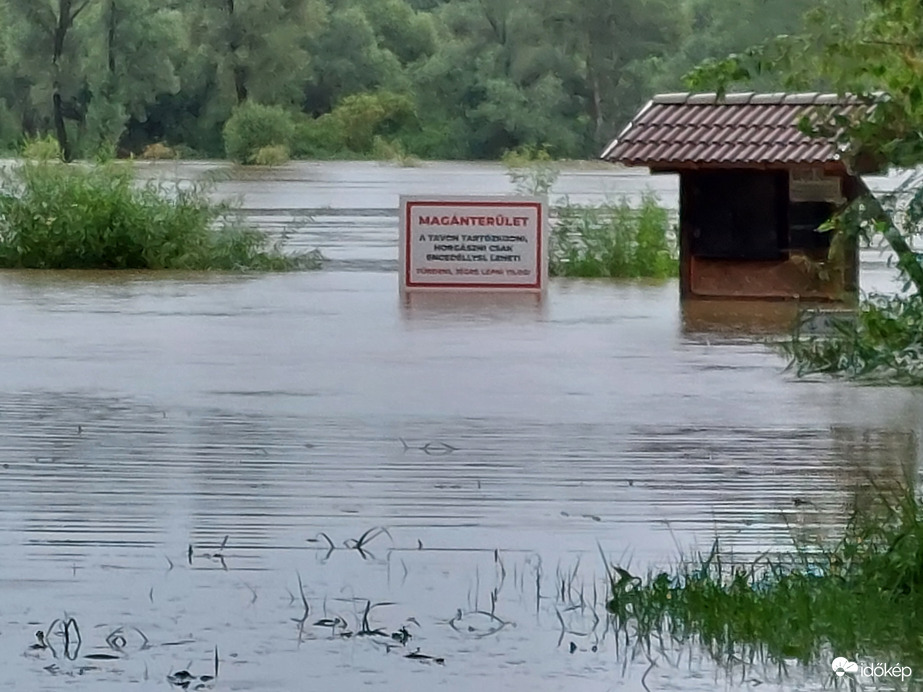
500	441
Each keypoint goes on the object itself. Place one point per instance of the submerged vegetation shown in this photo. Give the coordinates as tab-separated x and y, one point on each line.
609	240
613	240
58	216
861	597
882	342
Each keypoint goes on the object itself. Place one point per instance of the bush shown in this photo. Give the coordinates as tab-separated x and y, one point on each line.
318	138
45	149
606	240
360	117
57	216
388	150
613	240
274	155
158	151
882	342
253	126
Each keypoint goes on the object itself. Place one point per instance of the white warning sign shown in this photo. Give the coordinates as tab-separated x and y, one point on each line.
473	243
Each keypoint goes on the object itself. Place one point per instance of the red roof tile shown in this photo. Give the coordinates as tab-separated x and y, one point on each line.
741	129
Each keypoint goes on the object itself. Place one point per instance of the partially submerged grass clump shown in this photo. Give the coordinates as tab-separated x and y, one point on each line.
57	216
863	597
613	240
882	343
610	240
274	155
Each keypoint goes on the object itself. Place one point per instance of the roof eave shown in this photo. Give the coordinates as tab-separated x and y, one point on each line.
607	151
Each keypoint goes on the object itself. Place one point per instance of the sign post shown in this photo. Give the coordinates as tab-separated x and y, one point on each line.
473	244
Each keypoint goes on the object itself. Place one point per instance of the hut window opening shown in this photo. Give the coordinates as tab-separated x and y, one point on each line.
738	214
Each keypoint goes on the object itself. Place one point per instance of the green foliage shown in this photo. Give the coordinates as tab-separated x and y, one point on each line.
614	241
392	150
158	151
361	117
479	77
253	126
882	343
317	138
274	155
56	216
44	149
531	169
858	596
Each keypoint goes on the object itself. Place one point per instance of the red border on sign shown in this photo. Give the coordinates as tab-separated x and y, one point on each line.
454	203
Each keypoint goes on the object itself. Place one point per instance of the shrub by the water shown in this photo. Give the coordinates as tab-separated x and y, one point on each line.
62	216
158	151
274	155
613	240
45	149
882	343
253	126
863	595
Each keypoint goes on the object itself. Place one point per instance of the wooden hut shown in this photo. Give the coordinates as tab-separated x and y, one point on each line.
753	190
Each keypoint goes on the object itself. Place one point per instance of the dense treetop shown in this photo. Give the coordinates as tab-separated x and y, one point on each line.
432	78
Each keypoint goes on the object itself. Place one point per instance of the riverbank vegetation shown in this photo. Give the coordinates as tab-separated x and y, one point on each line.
613	240
881	343
57	216
434	79
860	596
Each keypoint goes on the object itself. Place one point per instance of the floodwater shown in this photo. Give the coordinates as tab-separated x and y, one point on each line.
187	461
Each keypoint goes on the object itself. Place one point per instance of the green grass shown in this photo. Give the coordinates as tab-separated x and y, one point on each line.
862	597
613	240
884	344
58	216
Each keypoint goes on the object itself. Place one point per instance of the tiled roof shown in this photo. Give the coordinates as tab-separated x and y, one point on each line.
746	129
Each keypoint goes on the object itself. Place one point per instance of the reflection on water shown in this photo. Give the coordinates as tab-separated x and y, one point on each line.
144	419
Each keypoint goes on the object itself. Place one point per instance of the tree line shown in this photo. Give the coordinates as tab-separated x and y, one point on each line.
453	79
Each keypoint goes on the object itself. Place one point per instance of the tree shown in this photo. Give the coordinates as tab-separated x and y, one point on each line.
44	42
133	64
607	38
349	59
495	82
258	48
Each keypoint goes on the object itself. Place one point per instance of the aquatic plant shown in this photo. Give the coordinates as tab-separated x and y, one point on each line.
860	597
57	216
881	342
613	240
610	240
